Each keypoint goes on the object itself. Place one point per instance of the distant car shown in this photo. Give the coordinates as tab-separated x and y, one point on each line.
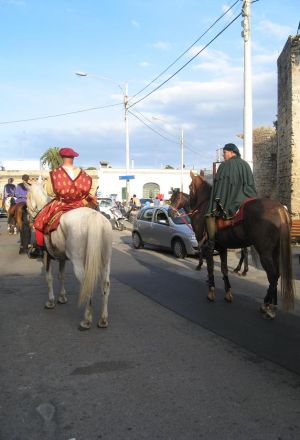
3	213
144	201
162	227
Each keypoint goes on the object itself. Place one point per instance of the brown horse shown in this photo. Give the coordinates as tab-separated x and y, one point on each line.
181	200
266	227
18	222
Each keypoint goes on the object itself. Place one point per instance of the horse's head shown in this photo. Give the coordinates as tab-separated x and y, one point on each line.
175	199
199	190
37	198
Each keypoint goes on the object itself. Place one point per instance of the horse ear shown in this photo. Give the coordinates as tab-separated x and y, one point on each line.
202	174
192	174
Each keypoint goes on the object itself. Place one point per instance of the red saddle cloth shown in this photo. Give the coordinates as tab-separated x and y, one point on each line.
238	218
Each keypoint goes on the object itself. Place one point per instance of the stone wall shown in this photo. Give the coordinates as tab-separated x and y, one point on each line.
288	125
265	161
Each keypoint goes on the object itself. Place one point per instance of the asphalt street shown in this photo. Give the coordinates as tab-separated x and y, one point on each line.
169	366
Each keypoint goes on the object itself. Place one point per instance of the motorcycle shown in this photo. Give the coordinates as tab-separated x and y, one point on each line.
114	215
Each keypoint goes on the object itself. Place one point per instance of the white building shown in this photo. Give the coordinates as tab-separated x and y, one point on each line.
21	165
145	183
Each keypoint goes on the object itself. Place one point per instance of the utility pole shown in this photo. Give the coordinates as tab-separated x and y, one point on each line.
248	127
181	164
126	143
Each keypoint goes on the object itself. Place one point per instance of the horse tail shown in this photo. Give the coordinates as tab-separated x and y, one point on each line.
97	251
285	262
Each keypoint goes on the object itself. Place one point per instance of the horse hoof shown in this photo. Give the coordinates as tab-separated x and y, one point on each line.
244	274
228	296
62	300
50	304
211	295
198	267
268	311
84	325
102	323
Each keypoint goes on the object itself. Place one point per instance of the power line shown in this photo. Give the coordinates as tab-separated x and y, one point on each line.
183	53
188	62
186	145
59	114
152	129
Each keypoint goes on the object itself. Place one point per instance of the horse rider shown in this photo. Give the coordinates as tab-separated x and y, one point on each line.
8	192
71	188
233	184
20	196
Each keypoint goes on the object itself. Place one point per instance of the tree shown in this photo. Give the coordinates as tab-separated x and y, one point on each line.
51	158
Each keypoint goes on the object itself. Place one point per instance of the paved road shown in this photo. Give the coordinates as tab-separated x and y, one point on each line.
187	370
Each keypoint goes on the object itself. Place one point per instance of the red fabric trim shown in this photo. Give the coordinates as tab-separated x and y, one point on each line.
238	218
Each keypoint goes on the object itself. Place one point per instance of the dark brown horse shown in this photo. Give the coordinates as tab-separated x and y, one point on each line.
18	222
266	227
181	200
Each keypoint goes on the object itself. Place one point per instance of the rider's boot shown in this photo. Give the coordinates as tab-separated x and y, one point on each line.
36	252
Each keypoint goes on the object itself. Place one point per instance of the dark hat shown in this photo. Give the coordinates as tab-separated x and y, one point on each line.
233	148
25	177
67	152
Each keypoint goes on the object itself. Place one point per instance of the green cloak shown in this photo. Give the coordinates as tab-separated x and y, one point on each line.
233	183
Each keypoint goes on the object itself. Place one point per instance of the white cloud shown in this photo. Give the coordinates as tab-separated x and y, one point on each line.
135	24
144	64
163	45
274	29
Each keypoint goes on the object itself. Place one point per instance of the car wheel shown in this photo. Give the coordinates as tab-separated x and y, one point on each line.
178	248
137	241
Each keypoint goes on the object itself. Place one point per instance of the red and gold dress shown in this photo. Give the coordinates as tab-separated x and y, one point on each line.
69	194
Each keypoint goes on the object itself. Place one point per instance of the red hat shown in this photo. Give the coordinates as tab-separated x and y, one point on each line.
67	152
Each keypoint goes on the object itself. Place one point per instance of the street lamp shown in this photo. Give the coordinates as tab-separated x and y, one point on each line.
181	141
125	100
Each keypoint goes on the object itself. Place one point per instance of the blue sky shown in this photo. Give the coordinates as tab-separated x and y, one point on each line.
44	43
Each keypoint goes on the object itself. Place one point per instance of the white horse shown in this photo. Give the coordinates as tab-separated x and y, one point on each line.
84	236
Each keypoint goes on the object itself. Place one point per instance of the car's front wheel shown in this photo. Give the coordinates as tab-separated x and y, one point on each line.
137	241
178	248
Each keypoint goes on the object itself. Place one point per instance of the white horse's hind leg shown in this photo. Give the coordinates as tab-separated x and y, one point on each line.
50	304
62	298
88	317
105	285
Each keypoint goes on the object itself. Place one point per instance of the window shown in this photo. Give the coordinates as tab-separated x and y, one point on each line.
160	215
147	215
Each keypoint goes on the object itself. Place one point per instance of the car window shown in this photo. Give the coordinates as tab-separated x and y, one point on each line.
160	215
146	214
178	217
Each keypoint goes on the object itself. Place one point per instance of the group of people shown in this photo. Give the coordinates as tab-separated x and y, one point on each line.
70	187
16	192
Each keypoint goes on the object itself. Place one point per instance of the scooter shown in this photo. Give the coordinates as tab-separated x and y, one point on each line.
114	215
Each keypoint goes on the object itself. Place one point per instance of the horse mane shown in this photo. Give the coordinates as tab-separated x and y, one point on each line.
201	193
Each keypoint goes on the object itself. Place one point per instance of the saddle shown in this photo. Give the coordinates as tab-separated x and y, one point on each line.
237	219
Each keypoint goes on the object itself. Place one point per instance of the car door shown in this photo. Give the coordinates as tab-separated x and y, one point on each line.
144	224
161	234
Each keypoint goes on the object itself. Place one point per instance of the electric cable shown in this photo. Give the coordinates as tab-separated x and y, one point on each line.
188	62
183	53
59	114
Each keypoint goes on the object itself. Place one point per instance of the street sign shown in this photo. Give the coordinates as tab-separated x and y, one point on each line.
126	177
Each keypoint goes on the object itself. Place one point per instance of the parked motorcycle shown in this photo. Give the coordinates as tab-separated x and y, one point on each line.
114	215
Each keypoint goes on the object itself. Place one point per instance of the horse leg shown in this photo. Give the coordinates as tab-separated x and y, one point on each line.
210	270
86	323
200	258
50	304
271	267
238	267
246	265
105	287
62	298
224	269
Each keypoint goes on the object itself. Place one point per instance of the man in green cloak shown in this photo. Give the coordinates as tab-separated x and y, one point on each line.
233	184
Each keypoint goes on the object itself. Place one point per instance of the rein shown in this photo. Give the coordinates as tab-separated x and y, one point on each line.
193	211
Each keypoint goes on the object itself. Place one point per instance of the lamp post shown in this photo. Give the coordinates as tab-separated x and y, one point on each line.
181	141
125	101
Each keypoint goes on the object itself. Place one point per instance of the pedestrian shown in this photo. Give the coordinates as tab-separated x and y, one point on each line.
8	192
71	188
233	184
